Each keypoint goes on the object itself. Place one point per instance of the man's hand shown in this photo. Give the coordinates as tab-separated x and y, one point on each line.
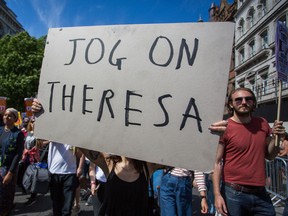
8	178
36	106
204	206
220	205
219	127
278	129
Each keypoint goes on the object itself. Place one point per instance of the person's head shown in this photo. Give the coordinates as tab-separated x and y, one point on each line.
241	100
30	126
25	122
10	117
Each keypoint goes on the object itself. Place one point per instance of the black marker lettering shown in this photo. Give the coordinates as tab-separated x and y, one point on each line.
118	60
127	108
152	50
74	50
84	110
185	46
107	99
88	48
68	96
186	115
164	110
51	95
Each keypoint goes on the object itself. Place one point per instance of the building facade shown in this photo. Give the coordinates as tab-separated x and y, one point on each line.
8	21
225	13
255	62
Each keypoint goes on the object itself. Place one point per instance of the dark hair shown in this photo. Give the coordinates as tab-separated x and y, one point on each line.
138	164
240	89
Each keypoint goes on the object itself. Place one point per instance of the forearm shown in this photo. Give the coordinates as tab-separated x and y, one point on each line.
200	181
272	149
217	179
92	173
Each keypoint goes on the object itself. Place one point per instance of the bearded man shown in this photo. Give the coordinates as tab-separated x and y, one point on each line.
240	159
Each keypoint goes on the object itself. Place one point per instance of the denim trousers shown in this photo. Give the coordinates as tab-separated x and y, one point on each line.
246	204
285	212
62	189
175	195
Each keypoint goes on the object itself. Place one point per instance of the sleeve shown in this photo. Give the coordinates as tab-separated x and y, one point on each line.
200	180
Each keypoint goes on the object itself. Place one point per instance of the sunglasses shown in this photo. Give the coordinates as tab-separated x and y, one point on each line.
248	99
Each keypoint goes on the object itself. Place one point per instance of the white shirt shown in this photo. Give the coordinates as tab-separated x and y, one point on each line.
100	176
61	159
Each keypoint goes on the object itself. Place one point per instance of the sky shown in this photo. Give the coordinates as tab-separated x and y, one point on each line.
37	16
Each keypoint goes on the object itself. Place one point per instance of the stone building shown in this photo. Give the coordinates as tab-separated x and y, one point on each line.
225	13
8	21
255	62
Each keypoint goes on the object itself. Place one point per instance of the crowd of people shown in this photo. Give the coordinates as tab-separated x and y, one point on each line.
122	186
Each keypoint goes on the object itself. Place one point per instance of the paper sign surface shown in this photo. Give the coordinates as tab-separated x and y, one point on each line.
148	92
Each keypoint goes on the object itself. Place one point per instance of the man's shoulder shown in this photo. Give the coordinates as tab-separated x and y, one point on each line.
259	119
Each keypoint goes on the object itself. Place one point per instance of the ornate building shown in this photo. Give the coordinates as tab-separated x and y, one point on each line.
8	21
255	53
225	13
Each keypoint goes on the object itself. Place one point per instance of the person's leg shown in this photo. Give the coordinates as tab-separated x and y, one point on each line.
96	204
167	195
76	207
263	205
237	203
56	193
210	195
184	196
7	193
70	183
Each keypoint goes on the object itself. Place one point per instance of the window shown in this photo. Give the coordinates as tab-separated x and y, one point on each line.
251	82
241	55
264	83
262	8
241	2
251	17
241	83
264	39
252	48
241	27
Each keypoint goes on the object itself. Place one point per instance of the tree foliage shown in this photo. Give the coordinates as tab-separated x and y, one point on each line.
20	63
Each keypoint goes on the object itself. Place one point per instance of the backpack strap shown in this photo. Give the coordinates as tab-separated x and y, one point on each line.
44	152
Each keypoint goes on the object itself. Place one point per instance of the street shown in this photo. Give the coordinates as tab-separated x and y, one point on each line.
43	205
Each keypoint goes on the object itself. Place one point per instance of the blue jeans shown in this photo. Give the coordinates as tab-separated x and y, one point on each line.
240	203
62	189
175	196
285	212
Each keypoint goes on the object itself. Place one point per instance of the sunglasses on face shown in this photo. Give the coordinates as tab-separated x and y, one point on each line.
248	99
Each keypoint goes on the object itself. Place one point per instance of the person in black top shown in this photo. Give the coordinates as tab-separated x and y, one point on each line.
11	148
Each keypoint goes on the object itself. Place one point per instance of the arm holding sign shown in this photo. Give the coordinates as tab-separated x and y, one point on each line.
219	127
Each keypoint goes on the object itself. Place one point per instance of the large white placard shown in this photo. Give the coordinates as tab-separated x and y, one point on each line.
143	91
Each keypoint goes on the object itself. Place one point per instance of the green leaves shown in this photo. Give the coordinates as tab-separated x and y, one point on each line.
20	63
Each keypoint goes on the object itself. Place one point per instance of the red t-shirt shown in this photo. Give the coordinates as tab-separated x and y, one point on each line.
245	149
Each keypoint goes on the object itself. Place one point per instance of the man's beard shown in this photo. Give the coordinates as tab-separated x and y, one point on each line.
244	113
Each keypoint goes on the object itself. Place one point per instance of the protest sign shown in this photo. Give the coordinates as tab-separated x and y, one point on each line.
2	104
281	51
148	92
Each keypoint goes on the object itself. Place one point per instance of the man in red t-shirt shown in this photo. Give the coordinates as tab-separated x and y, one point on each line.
240	159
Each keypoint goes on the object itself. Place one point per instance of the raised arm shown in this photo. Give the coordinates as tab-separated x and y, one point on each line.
219	127
98	158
